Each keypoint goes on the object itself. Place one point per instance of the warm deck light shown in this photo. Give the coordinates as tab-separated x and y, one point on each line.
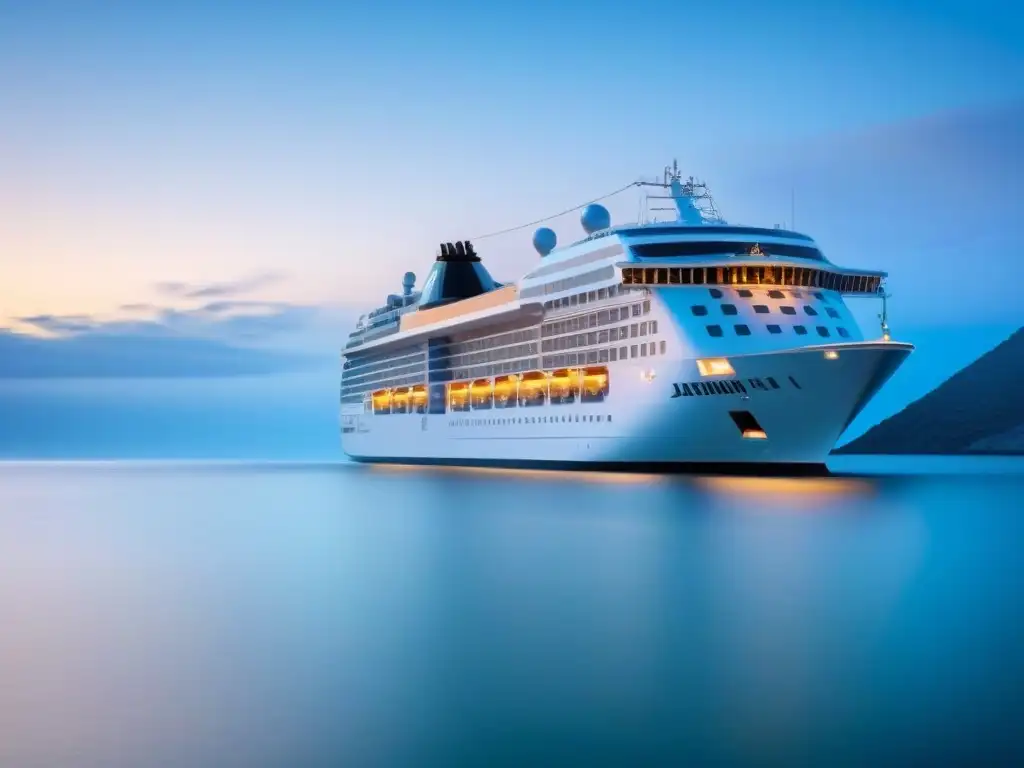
715	366
754	434
831	354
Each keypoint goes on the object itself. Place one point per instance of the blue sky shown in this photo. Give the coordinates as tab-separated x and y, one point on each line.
253	174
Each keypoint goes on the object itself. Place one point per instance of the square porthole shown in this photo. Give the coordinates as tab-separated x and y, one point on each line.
744	293
776	295
810	310
832	313
787	310
800	330
742	330
714	330
843	332
774	329
728	309
748	426
761	309
699	310
715	293
823	331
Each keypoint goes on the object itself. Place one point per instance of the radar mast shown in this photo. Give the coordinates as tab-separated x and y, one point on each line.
691	198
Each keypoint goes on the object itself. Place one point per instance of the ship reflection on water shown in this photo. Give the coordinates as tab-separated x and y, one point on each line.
784	491
265	615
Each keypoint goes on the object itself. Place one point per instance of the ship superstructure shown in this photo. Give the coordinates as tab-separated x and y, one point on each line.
689	343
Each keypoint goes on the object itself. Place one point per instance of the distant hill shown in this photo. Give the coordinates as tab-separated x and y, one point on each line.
977	410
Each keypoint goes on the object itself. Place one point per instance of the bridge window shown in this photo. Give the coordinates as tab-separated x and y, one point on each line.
720	248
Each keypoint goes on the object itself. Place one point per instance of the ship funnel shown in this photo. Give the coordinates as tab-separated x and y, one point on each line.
457	274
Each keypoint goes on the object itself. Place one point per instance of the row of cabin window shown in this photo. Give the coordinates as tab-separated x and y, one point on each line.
612	335
386	360
490	356
746	293
614	354
588	297
759	275
800	330
377	360
485	371
360	378
372	334
699	310
563	419
605	355
596	319
566	283
489	342
355	394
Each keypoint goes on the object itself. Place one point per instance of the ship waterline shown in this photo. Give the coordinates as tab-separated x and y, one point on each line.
657	345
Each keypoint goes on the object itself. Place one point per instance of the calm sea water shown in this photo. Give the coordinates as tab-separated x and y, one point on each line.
335	615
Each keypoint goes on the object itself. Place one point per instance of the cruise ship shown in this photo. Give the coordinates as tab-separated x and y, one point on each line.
686	344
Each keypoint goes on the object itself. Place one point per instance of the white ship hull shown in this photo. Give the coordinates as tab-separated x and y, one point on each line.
648	423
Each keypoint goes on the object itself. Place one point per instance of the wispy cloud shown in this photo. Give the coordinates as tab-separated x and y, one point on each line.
226	320
181	290
60	324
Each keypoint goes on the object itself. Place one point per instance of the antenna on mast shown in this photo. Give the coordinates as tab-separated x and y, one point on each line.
691	200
